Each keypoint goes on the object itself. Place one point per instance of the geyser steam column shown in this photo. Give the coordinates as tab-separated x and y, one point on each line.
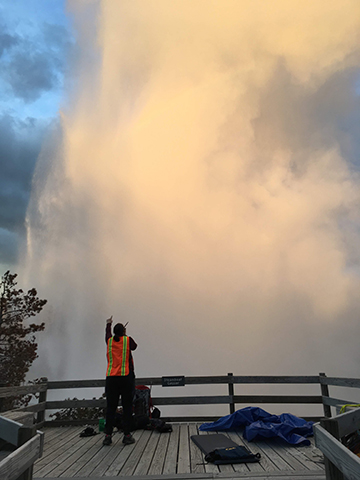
196	187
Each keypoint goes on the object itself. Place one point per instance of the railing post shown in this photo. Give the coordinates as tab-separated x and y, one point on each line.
231	392
325	393
42	398
331	472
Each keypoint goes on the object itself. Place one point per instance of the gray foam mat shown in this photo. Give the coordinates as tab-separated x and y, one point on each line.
208	443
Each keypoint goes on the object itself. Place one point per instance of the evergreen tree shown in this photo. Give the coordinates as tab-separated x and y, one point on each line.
18	346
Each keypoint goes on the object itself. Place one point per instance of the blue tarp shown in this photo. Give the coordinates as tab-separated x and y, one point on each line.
260	424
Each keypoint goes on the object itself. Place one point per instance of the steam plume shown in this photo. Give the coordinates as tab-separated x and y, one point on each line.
204	187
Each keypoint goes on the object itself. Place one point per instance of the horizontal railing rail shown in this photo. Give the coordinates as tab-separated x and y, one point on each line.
6	392
191	380
341	382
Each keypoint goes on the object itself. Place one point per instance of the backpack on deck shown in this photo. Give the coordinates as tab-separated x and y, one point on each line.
142	401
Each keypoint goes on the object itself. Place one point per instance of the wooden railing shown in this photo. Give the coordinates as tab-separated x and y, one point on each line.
230	399
27	445
340	462
39	408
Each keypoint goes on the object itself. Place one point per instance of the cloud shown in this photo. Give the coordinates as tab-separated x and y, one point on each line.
30	75
35	64
20	144
7	41
33	58
8	247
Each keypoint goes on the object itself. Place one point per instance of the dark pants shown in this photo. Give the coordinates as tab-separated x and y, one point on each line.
116	387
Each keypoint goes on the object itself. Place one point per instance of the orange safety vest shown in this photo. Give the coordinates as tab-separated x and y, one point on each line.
118	356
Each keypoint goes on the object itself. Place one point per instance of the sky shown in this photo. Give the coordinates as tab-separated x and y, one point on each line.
36	45
191	167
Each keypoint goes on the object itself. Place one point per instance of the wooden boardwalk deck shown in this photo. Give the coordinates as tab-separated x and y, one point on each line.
169	456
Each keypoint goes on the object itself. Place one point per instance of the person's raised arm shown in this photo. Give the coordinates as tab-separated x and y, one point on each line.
108	329
133	344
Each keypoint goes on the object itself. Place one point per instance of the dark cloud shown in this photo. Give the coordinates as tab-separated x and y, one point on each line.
7	41
31	64
8	247
35	65
31	74
20	143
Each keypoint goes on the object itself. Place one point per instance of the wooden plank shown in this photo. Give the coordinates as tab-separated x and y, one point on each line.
109	455
274	455
55	404
280	379
24	390
285	450
254	447
172	452
73	423
238	467
197	462
53	434
68	384
300	399
132	461
147	455
123	454
37	407
198	400
304	455
55	448
341	382
184	450
231	476
21	459
58	456
192	380
253	467
53	443
334	402
158	460
346	461
86	458
313	453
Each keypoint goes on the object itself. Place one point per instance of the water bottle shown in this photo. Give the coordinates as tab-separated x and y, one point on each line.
101	424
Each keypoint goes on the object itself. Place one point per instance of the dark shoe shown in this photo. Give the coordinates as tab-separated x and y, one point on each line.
107	440
128	439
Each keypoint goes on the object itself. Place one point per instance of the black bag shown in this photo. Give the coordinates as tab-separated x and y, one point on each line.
155	413
88	432
238	454
159	425
137	422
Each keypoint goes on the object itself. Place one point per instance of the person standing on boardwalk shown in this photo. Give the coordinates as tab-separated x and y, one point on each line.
120	379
